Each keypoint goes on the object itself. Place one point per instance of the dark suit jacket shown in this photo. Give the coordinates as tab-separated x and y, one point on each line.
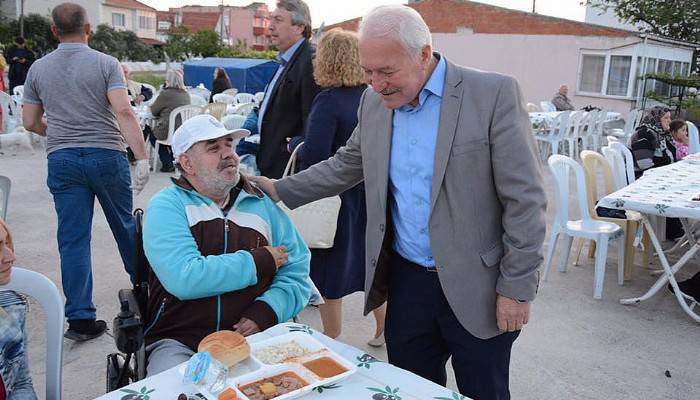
286	111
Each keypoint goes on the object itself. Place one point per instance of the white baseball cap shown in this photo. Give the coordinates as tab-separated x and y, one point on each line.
200	128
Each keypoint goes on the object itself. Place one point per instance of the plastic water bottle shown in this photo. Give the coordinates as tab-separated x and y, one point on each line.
205	371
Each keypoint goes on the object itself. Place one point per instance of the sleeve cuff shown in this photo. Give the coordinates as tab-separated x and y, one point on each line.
523	289
264	263
262	314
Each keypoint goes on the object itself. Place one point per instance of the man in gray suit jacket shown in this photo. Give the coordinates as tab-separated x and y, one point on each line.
455	204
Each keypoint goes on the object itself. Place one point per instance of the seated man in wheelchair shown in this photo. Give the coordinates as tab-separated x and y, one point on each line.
222	254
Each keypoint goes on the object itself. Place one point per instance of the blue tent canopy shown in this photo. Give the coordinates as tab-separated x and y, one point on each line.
248	75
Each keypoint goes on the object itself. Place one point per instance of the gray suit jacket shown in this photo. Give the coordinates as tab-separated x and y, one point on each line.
487	220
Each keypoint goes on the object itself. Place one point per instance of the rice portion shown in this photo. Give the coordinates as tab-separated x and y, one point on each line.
278	353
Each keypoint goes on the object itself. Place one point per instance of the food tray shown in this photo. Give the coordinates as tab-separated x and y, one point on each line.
252	369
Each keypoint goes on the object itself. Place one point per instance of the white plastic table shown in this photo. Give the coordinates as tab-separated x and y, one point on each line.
665	191
374	378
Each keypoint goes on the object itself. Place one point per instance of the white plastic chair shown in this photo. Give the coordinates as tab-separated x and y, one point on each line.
586	228
198	101
200	91
628	161
230	92
243	109
628	129
577	121
532	107
224	98
18	94
556	134
244	98
233	121
259	96
11	114
694	138
5	185
185	113
41	289
547	106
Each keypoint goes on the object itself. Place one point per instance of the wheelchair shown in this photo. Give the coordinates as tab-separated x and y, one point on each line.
129	364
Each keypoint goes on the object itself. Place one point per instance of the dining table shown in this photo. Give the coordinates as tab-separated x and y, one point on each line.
667	191
374	379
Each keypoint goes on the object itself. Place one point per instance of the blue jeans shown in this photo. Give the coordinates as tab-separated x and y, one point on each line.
75	177
14	365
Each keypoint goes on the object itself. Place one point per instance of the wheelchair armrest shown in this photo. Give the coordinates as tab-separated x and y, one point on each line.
128	324
129	296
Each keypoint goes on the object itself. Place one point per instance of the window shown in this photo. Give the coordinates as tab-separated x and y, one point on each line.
145	22
663	67
619	75
592	69
118	19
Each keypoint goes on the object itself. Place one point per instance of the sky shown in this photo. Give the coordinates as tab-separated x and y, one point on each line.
332	11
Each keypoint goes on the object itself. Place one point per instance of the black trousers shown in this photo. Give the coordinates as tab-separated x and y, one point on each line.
422	332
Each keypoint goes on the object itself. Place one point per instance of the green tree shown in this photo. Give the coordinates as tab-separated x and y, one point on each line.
37	30
205	43
678	19
178	45
124	45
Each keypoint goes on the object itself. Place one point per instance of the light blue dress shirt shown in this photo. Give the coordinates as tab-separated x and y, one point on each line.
285	56
413	141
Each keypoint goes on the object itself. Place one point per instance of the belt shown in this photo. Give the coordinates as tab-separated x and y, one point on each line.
413	265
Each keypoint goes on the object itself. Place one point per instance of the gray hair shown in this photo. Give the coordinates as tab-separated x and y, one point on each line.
173	79
397	22
300	14
69	18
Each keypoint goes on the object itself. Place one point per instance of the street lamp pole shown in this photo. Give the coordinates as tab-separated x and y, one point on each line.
533	6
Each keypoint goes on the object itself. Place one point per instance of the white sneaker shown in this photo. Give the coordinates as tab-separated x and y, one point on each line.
377	342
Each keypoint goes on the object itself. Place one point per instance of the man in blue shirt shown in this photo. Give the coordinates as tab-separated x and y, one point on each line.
289	95
455	204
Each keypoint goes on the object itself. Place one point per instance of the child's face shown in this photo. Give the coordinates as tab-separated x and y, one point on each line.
681	135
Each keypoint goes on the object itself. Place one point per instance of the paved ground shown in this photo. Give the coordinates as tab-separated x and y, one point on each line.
574	347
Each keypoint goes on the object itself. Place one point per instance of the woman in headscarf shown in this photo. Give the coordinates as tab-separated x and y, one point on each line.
652	144
15	380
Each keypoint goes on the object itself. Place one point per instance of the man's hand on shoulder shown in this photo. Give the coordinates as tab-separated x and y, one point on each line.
280	255
511	314
267	185
246	327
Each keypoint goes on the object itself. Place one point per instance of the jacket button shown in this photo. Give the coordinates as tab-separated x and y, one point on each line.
374	262
381	227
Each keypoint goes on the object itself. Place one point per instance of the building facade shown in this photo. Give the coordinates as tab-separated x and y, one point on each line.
601	65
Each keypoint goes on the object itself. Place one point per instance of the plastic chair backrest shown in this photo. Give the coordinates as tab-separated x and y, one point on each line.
233	121
693	138
547	106
575	122
259	96
18	91
197	100
617	166
200	91
243	109
244	98
224	98
630	122
561	124
185	113
561	166
216	109
230	92
5	186
532	107
10	112
41	289
628	160
592	161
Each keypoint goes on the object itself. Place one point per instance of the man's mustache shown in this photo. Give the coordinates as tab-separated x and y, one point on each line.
225	164
390	91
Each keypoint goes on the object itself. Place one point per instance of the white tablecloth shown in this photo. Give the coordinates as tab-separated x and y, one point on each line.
372	378
664	191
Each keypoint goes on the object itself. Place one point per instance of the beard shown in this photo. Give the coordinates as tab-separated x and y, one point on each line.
219	182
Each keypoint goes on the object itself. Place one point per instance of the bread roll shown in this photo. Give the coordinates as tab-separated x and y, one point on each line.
228	347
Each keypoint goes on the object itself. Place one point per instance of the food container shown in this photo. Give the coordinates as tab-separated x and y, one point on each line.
252	369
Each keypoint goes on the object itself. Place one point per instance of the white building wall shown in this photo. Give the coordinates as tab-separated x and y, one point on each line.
540	63
129	17
44	7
